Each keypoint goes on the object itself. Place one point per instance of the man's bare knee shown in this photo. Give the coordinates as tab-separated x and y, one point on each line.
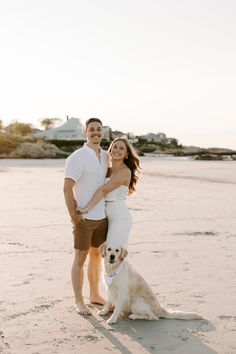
94	252
80	257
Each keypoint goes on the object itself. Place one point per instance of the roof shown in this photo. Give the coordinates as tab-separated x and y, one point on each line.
71	124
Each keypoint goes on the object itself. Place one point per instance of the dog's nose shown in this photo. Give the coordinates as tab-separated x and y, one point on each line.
112	257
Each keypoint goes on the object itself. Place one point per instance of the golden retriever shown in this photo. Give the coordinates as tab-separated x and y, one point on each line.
129	293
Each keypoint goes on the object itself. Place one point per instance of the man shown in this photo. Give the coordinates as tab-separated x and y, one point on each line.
85	172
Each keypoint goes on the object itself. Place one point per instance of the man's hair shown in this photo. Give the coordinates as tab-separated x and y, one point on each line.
92	120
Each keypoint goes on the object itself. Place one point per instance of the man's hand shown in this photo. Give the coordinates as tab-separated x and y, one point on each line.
71	203
76	218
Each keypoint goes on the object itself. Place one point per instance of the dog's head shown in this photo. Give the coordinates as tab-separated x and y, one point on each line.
113	254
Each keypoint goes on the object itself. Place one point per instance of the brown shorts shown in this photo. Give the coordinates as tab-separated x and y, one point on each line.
90	233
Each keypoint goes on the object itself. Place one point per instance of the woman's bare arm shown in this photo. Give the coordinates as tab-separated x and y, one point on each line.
122	176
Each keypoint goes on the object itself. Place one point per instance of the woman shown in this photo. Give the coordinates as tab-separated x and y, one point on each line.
120	183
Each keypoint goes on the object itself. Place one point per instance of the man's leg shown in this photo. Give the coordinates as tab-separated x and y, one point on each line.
77	277
94	271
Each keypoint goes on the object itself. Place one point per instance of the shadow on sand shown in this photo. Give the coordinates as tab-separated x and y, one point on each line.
163	336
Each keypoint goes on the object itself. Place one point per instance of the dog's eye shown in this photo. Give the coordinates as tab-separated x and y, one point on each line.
109	249
117	250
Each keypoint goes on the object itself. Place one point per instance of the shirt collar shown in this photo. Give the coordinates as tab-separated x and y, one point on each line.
90	150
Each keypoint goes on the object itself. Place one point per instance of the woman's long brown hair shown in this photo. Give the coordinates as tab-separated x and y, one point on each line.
132	162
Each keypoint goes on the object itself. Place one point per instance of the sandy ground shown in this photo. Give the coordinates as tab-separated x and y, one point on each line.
183	243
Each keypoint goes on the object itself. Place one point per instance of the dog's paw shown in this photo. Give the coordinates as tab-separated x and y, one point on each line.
111	320
102	312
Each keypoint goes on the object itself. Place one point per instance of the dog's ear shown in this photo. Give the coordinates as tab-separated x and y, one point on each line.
102	249
123	253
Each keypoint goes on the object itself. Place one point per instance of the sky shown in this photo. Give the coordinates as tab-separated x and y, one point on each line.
140	66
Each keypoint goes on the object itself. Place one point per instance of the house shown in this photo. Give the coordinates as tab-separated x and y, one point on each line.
161	138
157	138
118	134
107	133
132	138
72	129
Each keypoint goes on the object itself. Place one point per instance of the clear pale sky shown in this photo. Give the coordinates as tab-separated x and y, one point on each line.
141	66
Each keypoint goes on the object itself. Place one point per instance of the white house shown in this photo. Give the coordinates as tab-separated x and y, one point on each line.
160	137
72	129
118	134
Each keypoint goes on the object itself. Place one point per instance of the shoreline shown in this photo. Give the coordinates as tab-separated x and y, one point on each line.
145	156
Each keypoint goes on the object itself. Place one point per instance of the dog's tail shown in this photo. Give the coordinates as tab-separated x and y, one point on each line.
179	315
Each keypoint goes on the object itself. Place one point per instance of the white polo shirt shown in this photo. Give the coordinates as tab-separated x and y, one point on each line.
89	174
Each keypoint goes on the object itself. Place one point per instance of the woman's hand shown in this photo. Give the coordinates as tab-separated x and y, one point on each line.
82	210
75	205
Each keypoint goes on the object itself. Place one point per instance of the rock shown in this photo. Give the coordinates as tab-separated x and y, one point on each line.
39	150
209	157
221	151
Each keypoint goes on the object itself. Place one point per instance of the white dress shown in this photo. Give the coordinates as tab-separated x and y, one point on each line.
119	217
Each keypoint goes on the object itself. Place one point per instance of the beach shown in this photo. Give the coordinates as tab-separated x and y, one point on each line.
183	242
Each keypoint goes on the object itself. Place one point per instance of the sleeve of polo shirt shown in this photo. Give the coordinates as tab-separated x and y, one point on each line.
73	167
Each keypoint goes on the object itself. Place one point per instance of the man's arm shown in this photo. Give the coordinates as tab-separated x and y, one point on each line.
69	199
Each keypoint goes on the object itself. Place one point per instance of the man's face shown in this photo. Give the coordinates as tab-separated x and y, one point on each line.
94	133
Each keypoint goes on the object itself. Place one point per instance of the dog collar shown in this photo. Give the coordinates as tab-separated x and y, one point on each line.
109	278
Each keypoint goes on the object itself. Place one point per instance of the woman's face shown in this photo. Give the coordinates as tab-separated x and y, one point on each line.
118	150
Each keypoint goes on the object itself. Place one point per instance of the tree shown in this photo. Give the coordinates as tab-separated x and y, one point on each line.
49	123
20	128
174	143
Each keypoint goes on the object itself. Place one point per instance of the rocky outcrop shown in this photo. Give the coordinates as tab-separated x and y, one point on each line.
12	146
215	157
195	152
39	150
209	157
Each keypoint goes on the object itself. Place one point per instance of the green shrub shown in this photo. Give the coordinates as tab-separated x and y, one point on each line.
147	149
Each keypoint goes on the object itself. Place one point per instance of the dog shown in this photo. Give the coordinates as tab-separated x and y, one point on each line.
129	294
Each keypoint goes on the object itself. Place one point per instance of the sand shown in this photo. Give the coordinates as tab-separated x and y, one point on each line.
183	243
